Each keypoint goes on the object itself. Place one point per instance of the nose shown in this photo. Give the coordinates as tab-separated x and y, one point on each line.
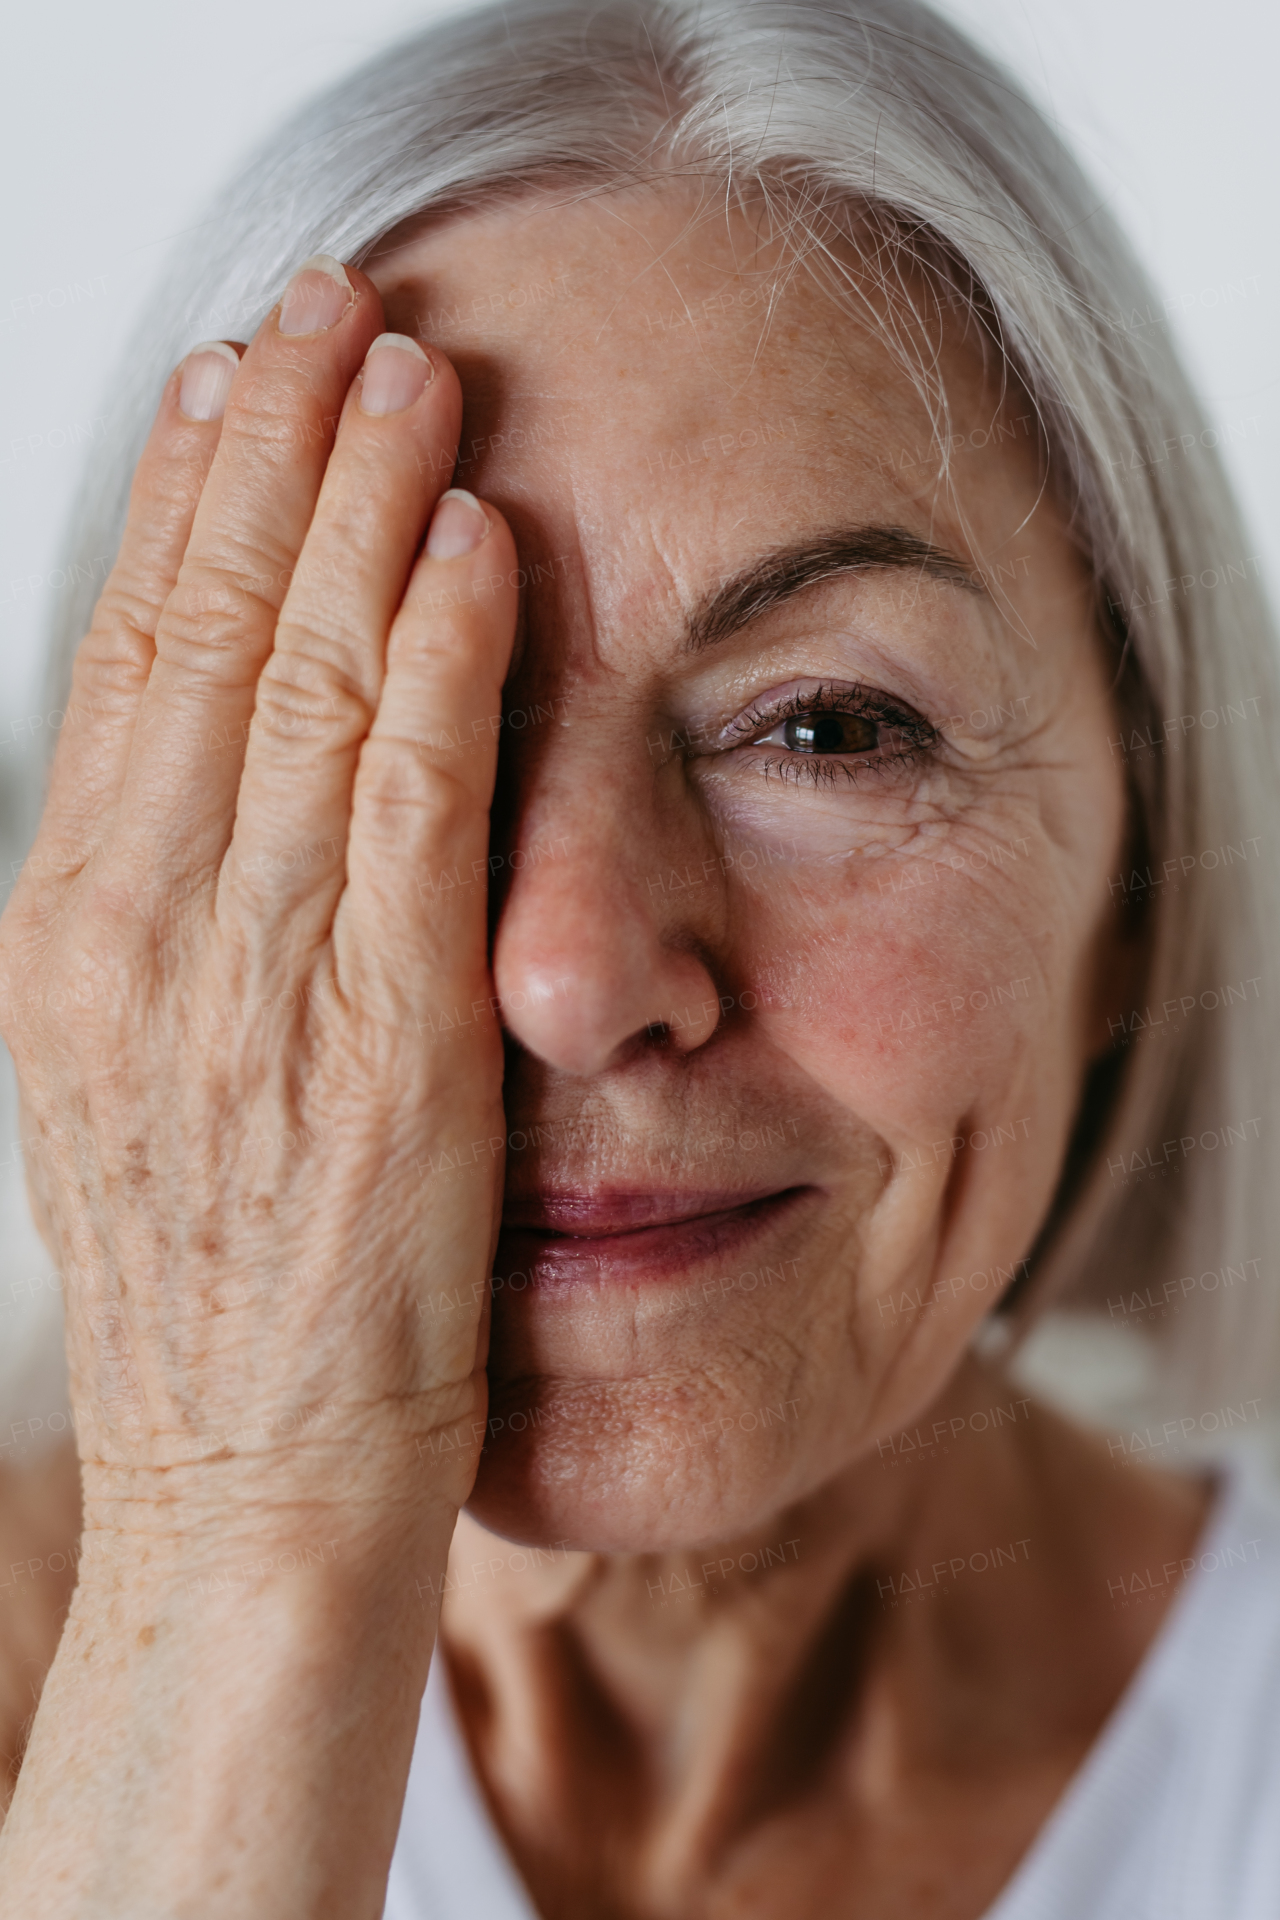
588	961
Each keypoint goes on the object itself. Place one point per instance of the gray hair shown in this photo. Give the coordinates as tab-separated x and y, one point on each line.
883	107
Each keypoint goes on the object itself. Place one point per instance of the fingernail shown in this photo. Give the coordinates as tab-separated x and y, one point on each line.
317	296
458	525
207	373
395	372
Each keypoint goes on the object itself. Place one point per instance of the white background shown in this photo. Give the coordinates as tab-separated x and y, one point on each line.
119	121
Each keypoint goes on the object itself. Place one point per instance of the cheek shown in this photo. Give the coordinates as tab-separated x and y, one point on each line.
925	1003
942	1017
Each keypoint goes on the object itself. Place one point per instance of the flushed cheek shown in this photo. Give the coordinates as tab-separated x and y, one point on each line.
919	1007
940	1019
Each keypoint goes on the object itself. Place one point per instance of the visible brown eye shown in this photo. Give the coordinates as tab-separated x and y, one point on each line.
829	733
832	735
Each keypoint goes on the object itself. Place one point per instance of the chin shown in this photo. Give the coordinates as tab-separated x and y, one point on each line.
668	1370
663	1466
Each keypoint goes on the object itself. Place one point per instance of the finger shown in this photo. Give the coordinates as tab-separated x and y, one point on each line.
424	784
319	689
116	655
218	624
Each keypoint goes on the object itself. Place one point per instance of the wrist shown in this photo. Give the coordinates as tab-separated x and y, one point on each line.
251	1722
373	1484
142	1553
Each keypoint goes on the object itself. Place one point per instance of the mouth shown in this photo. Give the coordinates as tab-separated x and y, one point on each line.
576	1236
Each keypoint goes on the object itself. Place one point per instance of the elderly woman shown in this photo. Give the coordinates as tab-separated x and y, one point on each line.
626	894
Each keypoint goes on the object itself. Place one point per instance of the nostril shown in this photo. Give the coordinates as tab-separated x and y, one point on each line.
585	979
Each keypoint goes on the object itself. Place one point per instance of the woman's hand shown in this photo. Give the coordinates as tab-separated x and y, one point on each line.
223	971
225	962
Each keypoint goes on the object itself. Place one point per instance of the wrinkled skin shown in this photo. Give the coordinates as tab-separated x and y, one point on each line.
288	1063
909	953
219	960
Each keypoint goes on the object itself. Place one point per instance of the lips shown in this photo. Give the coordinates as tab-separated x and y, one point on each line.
581	1236
582	1212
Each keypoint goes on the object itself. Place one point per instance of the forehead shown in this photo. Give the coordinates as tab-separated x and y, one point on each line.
617	285
641	340
659	399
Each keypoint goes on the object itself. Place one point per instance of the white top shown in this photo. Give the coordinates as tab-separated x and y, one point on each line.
1174	1814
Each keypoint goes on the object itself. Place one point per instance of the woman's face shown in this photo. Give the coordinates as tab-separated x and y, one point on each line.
800	863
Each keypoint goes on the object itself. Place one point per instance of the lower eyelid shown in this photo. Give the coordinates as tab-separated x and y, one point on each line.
818	768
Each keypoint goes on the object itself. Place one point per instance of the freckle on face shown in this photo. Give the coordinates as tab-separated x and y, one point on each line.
652	437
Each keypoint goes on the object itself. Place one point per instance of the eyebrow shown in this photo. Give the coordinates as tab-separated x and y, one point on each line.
777	577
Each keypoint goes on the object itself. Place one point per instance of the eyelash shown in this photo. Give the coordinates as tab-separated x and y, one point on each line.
827	769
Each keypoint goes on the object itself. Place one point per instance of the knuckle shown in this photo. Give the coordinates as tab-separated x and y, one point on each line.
240	569
115	655
304	692
165	488
207	644
361	488
436	621
273	414
76	991
405	797
452	657
213	611
37	902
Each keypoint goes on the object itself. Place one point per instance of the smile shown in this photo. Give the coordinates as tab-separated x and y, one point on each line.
569	1237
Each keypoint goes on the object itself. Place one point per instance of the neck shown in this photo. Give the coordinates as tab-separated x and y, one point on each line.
948	1591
